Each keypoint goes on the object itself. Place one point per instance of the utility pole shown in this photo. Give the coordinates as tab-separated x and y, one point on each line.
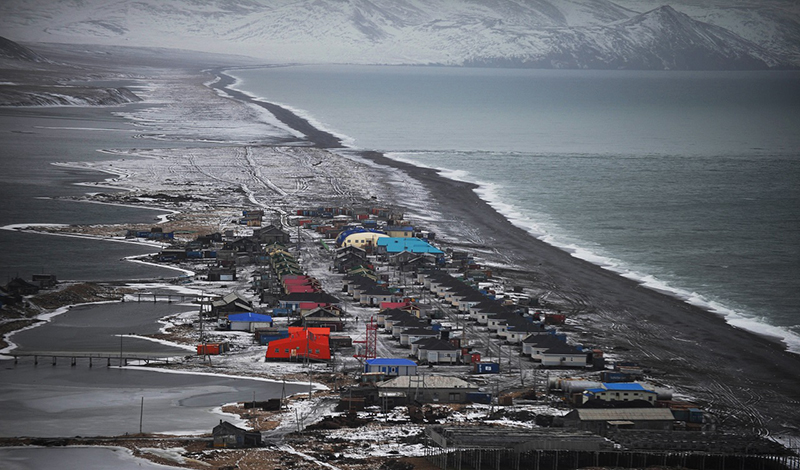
283	394
141	416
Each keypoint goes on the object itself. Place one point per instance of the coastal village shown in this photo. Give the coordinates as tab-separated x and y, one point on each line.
422	350
419	345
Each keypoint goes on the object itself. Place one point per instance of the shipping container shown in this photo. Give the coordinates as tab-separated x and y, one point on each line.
212	349
505	400
613	377
681	415
485	368
266	339
479	397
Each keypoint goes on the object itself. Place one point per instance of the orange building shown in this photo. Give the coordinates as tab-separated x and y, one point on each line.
311	343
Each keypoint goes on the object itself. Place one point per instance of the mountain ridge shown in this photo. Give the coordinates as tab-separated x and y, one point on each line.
512	33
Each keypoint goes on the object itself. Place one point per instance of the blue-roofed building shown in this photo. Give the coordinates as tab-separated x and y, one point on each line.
623	391
248	321
394	367
394	245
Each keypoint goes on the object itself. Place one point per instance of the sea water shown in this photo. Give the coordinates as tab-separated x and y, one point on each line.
688	182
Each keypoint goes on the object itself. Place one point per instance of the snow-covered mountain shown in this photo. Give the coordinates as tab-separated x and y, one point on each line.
11	50
527	33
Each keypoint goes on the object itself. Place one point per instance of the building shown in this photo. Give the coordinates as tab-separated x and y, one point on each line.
411	335
321	299
394	245
302	343
399	231
231	303
550	351
436	351
228	436
321	317
427	389
248	321
45	281
20	287
391	366
271	234
375	295
515	439
364	240
620	392
601	421
219	274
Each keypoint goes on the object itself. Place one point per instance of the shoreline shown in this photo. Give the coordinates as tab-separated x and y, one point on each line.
724	366
318	138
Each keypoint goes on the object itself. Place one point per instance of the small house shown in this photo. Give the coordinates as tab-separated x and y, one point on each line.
221	274
551	351
399	231
321	317
231	303
321	299
19	286
45	281
437	351
375	295
271	234
411	335
391	366
248	321
226	435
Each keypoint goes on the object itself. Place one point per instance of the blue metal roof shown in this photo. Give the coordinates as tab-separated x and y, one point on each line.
390	361
413	245
625	387
250	316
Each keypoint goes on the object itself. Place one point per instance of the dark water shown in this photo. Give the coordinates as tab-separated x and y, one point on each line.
75	458
61	401
31	140
97	329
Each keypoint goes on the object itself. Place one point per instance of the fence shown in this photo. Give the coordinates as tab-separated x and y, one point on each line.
507	459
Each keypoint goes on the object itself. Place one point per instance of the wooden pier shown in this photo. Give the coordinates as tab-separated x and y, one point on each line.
91	359
165	297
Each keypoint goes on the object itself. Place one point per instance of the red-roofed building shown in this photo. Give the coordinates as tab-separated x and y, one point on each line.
398	305
311	343
299	288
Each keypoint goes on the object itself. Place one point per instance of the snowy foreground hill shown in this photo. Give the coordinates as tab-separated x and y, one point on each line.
713	34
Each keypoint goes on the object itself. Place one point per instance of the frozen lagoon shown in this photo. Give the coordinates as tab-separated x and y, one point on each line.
59	400
74	458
